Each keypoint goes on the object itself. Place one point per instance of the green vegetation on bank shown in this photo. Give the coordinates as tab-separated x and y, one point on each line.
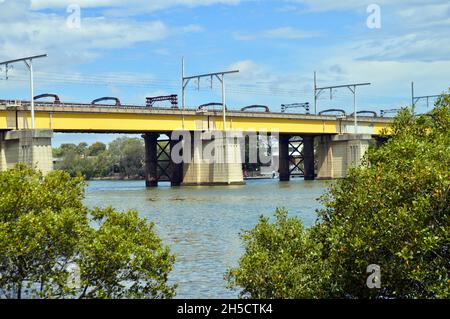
52	246
123	158
393	211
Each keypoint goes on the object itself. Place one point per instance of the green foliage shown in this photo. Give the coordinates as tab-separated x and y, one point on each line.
125	258
280	261
75	164
80	149
45	230
128	155
393	211
123	158
96	149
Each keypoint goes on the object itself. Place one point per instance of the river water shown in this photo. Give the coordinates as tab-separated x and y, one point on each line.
202	224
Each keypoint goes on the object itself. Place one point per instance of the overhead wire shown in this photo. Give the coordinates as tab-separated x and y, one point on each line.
233	87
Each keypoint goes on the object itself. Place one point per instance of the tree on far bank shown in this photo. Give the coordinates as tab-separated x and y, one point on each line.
127	155
96	148
123	158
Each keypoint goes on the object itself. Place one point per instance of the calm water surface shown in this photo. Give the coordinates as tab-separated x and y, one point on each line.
202	224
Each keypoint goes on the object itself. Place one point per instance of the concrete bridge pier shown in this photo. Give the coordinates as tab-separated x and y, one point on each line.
215	160
337	153
26	146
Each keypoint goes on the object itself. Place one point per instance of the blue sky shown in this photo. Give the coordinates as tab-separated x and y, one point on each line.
133	49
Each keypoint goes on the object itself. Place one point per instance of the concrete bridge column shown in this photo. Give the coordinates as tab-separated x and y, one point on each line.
324	158
27	146
151	159
337	153
195	170
284	160
215	160
308	157
3	164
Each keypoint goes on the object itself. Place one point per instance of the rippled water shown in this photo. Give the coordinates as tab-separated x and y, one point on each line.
202	224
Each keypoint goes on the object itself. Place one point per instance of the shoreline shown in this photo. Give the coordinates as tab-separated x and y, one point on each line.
113	179
141	179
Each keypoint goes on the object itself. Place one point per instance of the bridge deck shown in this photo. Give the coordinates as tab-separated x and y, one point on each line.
77	117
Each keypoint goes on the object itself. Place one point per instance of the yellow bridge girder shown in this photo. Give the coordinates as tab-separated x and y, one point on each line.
87	119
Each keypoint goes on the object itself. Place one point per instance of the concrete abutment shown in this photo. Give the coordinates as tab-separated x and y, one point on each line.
337	153
31	147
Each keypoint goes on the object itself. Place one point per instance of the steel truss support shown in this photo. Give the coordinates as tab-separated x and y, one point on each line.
296	153
163	160
159	166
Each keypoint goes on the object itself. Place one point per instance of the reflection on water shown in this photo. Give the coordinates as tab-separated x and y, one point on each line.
202	224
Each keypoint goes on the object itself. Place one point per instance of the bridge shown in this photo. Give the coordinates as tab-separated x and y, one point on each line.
325	145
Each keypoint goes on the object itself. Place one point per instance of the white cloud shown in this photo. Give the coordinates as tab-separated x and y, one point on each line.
140	5
30	32
409	33
414	30
282	33
411	45
428	15
423	46
260	84
333	5
391	79
390	65
329	5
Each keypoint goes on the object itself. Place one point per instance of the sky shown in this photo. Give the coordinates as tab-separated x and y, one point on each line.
133	49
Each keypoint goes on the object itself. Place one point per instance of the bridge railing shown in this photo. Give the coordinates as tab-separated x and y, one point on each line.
11	103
